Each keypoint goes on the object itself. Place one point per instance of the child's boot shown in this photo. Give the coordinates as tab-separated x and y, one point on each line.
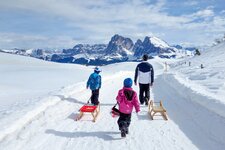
123	133
127	131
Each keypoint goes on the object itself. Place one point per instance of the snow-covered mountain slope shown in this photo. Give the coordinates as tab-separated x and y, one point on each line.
208	80
24	80
154	46
50	124
158	42
24	76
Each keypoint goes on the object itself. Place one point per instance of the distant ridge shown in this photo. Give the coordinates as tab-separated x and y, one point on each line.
118	49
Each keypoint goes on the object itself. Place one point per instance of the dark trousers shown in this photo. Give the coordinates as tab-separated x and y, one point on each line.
144	89
94	97
124	121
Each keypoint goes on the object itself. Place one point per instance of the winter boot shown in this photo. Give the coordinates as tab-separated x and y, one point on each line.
127	131
146	101
123	133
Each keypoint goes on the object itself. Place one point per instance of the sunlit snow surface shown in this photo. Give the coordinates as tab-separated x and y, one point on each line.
39	101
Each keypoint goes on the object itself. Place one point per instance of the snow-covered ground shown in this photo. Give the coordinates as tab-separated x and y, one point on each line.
209	80
195	110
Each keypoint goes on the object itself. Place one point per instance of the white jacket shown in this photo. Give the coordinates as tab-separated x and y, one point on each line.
144	73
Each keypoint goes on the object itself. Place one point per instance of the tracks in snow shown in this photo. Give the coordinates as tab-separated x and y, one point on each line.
54	127
53	108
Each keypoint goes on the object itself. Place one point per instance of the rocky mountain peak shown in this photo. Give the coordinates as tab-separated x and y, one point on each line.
119	44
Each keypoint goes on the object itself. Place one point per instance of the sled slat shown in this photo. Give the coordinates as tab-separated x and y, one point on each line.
152	110
94	110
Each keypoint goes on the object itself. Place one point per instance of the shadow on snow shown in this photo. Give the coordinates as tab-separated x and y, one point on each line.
99	134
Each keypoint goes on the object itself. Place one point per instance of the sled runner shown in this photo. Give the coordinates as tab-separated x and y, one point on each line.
87	108
153	109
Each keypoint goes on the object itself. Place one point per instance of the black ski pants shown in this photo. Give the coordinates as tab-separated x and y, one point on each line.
144	92
124	121
94	97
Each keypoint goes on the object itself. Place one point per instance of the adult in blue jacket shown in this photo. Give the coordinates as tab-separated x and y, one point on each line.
145	73
94	82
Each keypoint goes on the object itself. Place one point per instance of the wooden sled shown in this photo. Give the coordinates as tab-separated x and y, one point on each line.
153	109
94	110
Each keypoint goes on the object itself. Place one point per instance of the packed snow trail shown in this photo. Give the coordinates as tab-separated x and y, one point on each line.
202	125
55	128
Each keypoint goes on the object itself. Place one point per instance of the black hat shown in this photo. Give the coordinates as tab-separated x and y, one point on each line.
145	57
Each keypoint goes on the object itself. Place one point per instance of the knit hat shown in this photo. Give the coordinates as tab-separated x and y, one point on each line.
127	82
97	69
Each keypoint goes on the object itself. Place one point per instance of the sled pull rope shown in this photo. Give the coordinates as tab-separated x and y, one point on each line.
115	105
88	100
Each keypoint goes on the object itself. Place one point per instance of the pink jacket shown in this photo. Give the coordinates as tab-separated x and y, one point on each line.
125	105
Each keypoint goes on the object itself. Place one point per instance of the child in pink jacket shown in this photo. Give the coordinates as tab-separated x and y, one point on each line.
126	99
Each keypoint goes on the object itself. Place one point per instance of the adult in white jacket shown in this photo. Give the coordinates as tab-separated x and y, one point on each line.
144	72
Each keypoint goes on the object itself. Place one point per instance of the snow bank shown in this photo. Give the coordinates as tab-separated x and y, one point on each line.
192	112
209	80
27	118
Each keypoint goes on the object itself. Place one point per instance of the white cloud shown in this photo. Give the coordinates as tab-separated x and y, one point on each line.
191	3
91	12
100	19
204	13
222	12
12	40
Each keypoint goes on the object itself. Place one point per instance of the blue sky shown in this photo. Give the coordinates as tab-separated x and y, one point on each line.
65	23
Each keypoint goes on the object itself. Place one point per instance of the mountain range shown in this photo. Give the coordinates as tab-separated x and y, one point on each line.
119	49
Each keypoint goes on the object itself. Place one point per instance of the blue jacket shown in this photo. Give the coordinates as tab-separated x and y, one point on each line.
94	81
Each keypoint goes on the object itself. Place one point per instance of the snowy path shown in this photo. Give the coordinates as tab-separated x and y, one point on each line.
201	125
55	128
